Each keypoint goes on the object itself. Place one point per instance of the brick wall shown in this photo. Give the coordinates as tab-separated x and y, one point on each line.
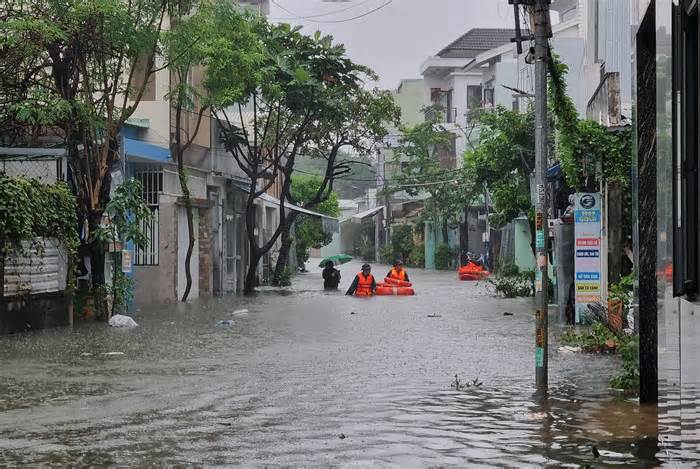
205	260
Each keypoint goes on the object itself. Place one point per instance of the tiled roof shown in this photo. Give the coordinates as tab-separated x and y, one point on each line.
476	41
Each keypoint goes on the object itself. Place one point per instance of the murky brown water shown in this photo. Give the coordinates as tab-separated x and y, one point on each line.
301	380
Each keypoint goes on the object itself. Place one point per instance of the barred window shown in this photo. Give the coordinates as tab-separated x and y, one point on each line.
151	178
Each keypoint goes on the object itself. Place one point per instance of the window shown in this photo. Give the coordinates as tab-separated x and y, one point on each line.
473	97
488	97
151	178
686	144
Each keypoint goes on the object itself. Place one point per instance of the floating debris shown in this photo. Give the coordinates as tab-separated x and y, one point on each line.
113	354
435	315
240	312
225	322
506	313
122	322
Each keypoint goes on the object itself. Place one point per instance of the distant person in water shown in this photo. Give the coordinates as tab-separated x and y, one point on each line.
331	277
397	272
364	283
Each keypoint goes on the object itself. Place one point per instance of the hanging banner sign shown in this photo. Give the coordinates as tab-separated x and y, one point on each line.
587	251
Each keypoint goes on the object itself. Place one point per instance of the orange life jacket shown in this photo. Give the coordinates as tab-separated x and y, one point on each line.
364	285
398	275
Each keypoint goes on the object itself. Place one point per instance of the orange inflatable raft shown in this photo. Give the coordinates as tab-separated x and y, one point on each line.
397	283
471	271
388	290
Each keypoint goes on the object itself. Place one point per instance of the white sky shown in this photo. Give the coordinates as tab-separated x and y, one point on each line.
396	39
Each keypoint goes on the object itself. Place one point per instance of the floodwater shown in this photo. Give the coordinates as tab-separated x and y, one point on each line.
314	378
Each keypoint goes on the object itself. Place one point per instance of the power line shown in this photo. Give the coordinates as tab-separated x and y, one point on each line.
388	2
297	17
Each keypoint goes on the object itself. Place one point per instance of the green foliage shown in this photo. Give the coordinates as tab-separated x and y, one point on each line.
423	173
366	250
121	291
594	339
585	148
402	244
29	209
284	279
126	211
511	283
628	380
622	290
308	230
417	257
444	257
502	161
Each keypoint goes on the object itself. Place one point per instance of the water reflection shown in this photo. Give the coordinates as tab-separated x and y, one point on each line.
282	384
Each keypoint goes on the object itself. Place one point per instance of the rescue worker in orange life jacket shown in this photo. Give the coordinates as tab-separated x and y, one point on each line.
398	272
364	283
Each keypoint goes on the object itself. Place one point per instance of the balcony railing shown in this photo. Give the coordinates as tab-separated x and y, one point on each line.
441	115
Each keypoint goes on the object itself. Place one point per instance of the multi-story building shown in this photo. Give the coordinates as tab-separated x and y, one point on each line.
665	38
218	188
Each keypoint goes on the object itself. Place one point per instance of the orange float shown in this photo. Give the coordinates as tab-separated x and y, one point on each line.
396	282
392	290
471	271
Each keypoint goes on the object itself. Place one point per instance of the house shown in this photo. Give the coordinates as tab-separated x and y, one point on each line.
665	97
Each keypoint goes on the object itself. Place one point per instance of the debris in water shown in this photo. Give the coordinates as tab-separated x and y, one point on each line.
121	321
507	313
435	315
113	354
225	322
86	354
342	436
352	312
240	312
570	349
594	450
462	386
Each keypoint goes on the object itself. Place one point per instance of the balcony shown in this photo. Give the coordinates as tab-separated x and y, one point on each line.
605	104
441	115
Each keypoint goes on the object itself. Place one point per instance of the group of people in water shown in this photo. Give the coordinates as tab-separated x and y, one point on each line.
364	283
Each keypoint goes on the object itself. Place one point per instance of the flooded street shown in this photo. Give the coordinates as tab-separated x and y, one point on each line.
308	377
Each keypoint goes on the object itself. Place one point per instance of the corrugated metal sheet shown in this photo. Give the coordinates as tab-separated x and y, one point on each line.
41	268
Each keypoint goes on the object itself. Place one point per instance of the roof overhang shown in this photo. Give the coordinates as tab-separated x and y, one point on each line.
440	65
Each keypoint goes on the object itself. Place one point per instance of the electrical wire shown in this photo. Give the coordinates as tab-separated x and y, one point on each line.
388	2
297	17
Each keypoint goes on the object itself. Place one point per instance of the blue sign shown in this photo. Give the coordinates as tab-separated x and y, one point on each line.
587	216
587	276
587	253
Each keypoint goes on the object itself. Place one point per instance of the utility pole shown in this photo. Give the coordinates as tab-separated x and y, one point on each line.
540	32
539	23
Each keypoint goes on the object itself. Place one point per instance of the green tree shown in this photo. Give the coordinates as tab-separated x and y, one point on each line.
308	230
214	31
422	172
502	161
357	121
81	69
267	118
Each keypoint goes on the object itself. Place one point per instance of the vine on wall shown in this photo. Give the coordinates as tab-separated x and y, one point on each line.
29	209
587	151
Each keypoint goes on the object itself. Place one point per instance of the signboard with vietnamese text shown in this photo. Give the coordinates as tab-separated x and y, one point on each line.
587	227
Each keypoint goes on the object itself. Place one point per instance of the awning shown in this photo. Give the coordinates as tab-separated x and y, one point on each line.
330	224
367	213
146	152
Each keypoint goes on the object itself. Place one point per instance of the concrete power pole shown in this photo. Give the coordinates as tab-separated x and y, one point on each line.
539	22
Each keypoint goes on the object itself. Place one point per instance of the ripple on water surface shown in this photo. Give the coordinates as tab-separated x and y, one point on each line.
314	377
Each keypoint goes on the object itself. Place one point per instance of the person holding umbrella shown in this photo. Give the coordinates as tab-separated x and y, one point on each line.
331	276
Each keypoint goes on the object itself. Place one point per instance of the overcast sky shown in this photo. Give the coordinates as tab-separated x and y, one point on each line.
395	39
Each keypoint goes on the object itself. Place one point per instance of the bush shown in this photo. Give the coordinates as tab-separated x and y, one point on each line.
598	338
417	257
444	257
512	286
367	251
285	278
628	381
386	254
509	270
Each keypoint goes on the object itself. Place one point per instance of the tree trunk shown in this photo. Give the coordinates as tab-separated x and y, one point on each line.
286	246
190	231
97	266
252	275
